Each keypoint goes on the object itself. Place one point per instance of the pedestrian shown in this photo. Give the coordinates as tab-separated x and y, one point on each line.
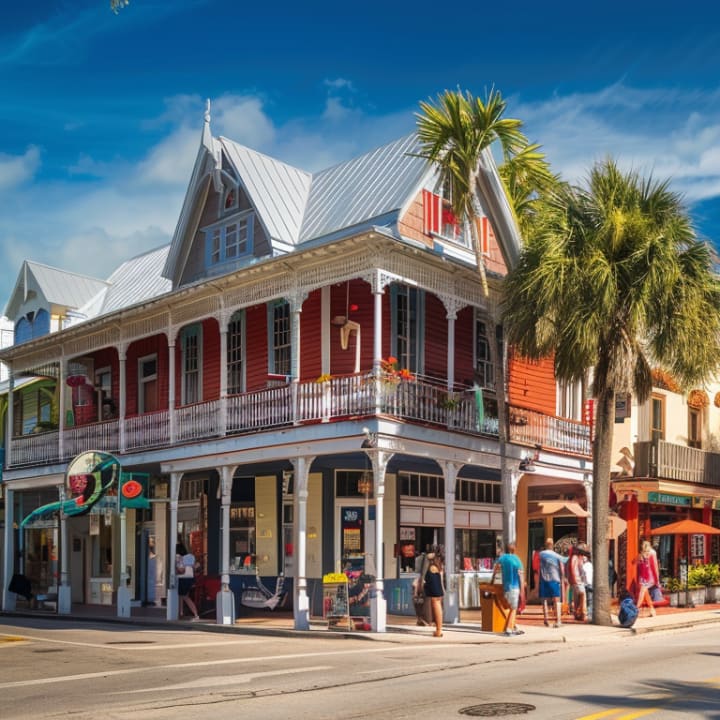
577	581
185	571
587	569
551	581
647	576
423	605
435	590
513	580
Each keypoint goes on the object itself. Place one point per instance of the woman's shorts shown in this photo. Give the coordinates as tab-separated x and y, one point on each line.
549	589
185	585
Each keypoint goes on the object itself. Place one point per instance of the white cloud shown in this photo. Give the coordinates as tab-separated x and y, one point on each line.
670	133
18	169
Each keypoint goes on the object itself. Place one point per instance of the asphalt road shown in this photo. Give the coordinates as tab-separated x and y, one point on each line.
56	669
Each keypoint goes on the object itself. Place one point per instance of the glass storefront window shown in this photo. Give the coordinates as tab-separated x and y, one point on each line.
475	549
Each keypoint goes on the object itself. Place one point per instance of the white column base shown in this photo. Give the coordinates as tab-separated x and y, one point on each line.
123	602
225	607
378	612
64	600
451	607
171	604
302	612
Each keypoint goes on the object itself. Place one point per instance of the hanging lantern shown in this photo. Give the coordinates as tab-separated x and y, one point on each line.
364	484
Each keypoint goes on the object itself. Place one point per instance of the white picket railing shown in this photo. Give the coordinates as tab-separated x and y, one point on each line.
35	449
149	430
97	436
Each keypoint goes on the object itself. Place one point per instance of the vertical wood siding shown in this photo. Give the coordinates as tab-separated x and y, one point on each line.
436	337
311	337
256	351
211	359
464	351
342	362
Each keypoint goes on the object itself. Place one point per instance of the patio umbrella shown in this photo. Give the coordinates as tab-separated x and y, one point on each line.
686	527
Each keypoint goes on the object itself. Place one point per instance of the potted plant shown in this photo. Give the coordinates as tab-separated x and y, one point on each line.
673	586
709	577
696	585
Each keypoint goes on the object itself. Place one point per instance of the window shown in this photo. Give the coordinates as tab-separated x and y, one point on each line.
439	219
421	485
479	491
695	428
235	345
147	384
191	349
103	385
280	338
407	311
569	400
484	370
32	410
657	417
229	241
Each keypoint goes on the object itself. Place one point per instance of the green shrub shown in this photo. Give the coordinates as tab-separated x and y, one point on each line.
673	585
703	575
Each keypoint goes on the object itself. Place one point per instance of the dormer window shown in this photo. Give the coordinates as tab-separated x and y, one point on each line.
229	240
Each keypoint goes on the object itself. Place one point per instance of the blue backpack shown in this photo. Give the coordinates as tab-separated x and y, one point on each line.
628	612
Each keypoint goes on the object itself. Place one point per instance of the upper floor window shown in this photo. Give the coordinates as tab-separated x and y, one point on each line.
657	417
569	399
439	219
191	363
695	427
484	369
148	384
235	353
407	330
279	356
229	240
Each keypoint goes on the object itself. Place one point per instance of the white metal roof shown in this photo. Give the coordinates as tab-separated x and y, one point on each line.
364	188
278	191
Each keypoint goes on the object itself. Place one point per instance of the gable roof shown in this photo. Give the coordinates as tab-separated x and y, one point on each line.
60	288
277	191
296	207
136	280
366	187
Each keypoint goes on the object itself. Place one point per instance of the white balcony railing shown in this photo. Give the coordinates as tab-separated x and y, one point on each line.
353	396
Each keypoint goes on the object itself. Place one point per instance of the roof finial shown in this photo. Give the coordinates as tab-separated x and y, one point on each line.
207	111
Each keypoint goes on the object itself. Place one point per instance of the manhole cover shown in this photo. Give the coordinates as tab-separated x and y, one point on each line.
497	709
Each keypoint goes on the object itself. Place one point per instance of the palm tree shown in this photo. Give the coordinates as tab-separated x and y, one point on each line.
454	134
614	281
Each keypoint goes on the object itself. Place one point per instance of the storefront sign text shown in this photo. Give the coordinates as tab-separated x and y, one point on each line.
667	499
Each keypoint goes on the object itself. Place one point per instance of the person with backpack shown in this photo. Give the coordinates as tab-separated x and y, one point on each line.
628	611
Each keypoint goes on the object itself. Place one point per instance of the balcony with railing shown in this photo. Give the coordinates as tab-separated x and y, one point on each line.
418	400
669	461
532	428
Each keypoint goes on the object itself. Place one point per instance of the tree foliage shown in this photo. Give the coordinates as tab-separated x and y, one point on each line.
615	281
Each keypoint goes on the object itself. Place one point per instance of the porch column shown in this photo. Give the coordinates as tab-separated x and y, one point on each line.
296	303
10	423
587	484
171	389
510	481
452	605
378	603
301	611
62	375
452	305
122	405
378	289
8	598
64	605
172	592
223	376
225	599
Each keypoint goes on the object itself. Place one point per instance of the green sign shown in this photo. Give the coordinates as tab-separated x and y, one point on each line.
667	499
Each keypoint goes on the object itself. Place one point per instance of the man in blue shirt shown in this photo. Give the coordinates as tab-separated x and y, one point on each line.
552	574
513	579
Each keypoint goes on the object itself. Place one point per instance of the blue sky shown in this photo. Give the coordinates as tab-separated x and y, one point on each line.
100	114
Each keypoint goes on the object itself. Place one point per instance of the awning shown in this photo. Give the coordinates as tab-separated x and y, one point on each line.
559	507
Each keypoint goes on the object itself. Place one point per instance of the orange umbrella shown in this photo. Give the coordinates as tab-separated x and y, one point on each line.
686	527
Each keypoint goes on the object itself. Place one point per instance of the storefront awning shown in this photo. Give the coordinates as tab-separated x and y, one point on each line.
561	507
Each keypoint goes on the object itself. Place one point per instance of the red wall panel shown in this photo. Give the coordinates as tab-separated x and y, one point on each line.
532	384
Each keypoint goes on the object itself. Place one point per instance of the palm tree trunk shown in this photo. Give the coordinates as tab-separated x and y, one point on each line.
602	457
476	240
